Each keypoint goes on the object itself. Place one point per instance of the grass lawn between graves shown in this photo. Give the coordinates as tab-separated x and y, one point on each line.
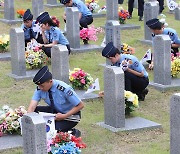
100	140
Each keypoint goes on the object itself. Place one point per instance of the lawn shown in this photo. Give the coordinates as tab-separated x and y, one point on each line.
100	140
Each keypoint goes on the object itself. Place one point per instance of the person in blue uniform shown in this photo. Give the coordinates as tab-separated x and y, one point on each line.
85	15
140	9
157	28
51	34
60	98
135	75
27	27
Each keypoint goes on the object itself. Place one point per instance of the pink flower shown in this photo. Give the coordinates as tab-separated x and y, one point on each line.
82	81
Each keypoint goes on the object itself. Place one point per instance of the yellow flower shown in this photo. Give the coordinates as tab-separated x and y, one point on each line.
135	102
76	69
71	78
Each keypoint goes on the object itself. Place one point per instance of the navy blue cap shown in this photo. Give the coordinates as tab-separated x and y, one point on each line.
64	1
109	50
153	23
43	17
27	15
42	76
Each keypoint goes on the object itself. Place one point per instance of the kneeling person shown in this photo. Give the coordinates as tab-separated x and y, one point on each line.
60	97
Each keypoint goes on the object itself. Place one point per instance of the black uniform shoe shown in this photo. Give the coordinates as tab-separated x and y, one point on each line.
141	18
76	132
142	96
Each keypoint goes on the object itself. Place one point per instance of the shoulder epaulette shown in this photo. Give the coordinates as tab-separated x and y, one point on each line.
61	88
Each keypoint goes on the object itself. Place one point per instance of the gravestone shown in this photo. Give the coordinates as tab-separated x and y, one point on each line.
114	105
9	15
162	64
53	3
112	10
34	134
136	4
37	8
73	36
177	13
151	10
5	56
17	49
175	124
60	63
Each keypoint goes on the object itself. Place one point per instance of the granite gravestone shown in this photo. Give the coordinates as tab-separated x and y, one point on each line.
53	3
60	63
136	4
114	105
177	13
9	16
37	8
73	36
175	124
162	64
112	10
34	134
151	10
17	48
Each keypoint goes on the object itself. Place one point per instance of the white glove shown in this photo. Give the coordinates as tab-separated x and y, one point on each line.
124	67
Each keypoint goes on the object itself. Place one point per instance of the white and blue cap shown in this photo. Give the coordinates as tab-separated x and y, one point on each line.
27	15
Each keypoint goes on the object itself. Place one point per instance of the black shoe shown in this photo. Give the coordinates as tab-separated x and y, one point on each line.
129	17
141	18
85	41
76	132
142	96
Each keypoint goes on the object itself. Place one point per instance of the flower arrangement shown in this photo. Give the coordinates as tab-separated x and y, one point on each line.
9	123
163	20
123	14
2	3
4	42
80	79
175	65
92	5
126	49
131	102
90	33
20	13
63	143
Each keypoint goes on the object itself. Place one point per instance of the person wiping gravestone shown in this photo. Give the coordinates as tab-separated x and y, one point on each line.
135	75
51	34
30	28
61	100
158	28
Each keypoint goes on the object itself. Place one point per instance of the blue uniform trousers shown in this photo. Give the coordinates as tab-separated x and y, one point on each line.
85	21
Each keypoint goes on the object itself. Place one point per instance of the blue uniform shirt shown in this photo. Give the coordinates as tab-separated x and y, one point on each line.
136	65
55	34
81	7
27	31
172	34
63	95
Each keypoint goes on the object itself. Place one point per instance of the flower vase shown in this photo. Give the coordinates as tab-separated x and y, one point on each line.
122	21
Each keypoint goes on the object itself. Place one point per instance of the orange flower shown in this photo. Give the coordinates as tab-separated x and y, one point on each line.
21	12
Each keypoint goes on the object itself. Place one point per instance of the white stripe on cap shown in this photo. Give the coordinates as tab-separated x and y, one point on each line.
27	17
44	17
42	76
109	51
154	23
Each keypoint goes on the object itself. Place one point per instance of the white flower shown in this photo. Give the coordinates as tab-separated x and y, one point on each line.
5	108
15	124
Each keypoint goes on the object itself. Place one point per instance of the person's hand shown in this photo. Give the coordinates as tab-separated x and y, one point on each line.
124	67
60	116
151	66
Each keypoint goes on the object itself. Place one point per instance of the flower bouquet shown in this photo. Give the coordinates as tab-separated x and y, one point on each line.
20	13
123	14
9	123
65	143
4	42
80	79
175	65
92	5
131	102
90	34
126	49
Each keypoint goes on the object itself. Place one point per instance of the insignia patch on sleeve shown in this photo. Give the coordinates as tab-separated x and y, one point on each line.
170	33
61	88
136	64
70	93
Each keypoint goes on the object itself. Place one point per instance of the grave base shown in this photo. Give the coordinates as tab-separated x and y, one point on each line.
29	75
175	84
11	21
87	48
83	96
10	141
5	56
98	15
52	6
148	42
1	10
132	124
127	26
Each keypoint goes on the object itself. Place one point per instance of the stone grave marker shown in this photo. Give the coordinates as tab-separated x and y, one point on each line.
34	134
175	124
151	10
53	3
162	64
177	13
37	8
114	104
72	26
112	10
17	49
9	13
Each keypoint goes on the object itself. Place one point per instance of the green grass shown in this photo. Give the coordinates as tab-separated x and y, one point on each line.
99	140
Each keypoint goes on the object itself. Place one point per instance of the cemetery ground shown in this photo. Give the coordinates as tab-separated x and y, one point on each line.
99	140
